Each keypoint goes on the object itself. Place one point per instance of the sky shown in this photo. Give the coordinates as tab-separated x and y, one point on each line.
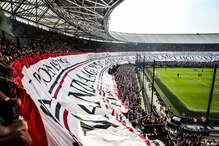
166	17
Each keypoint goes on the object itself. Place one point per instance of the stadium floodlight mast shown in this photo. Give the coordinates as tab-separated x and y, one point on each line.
210	98
143	70
152	90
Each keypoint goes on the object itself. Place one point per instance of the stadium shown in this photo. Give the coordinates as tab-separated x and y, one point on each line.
66	79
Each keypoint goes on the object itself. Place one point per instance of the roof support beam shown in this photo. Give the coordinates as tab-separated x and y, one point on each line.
56	23
12	6
23	2
79	12
96	3
104	2
18	6
42	15
84	7
24	10
36	9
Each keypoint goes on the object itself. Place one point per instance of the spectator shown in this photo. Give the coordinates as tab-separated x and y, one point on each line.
16	132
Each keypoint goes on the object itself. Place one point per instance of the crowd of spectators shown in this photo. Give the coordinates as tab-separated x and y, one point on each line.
176	63
181	138
13	129
150	124
44	40
129	91
113	47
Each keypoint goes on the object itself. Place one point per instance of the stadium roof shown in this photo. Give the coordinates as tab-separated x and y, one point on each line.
88	19
84	18
167	38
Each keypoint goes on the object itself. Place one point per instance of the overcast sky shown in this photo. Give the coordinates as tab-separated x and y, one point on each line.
166	16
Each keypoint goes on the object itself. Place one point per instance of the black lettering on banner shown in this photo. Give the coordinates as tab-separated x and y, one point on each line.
75	144
106	116
85	73
57	110
45	101
96	125
115	104
107	61
82	85
57	78
77	95
88	74
40	70
43	107
46	73
93	65
111	98
99	63
64	61
92	72
55	64
37	77
110	94
92	112
50	70
85	79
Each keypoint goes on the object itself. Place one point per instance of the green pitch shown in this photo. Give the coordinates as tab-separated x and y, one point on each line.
191	86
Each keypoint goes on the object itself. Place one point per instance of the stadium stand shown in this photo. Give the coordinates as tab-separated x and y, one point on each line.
28	35
153	126
13	131
126	80
129	91
32	41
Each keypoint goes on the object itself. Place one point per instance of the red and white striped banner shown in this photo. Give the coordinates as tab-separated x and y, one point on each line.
71	100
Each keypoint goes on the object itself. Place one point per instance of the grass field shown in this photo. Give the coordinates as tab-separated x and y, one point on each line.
189	88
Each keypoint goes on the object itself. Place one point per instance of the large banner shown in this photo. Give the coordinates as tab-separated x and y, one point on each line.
77	100
70	100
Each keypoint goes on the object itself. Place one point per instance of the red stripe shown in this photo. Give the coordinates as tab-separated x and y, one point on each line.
63	78
65	117
34	120
27	61
115	87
